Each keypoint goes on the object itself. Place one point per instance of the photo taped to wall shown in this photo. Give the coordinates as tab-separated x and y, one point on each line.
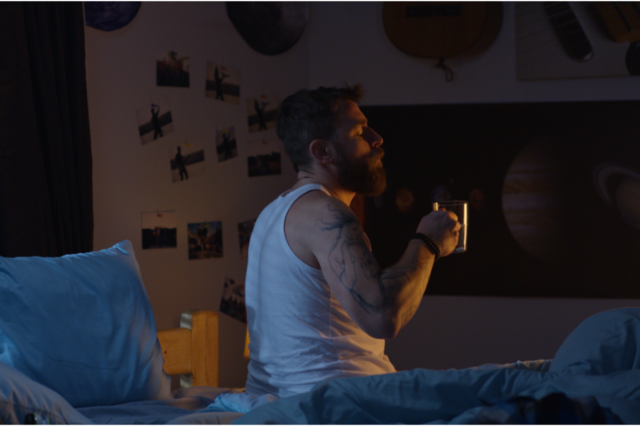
223	83
159	229
205	240
154	120
186	160
232	301
172	69
261	112
226	145
244	236
263	156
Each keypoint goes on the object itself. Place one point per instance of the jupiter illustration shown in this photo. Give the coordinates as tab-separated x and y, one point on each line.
533	204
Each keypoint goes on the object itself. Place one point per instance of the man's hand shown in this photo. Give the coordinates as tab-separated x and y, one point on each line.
443	228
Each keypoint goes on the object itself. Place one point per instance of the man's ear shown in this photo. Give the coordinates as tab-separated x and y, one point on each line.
318	150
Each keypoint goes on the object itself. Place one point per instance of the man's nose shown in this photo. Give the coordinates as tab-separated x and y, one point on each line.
375	139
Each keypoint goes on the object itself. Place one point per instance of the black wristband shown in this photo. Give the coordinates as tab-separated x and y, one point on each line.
431	245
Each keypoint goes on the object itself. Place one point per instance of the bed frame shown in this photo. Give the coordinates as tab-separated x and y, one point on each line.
192	350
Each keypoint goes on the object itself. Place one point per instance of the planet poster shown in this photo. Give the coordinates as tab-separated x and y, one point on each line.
553	191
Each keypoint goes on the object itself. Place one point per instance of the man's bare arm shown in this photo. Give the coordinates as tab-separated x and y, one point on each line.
380	301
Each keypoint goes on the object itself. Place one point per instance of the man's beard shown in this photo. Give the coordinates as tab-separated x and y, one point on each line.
365	176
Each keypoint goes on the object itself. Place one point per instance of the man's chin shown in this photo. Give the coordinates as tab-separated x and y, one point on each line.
375	188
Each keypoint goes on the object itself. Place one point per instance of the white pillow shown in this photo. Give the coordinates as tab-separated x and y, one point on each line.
21	397
82	325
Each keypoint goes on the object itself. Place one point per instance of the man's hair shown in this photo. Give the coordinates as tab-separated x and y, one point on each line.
311	114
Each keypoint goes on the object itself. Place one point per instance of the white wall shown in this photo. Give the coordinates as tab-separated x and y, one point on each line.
348	44
129	178
344	42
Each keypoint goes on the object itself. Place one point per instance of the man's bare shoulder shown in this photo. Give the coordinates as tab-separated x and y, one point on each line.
317	205
309	222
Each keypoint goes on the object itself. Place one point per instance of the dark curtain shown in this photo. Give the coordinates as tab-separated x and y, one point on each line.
46	202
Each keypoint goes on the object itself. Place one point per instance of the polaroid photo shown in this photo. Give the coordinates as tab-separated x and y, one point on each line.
244	235
186	160
264	156
226	144
159	230
261	112
232	301
205	240
172	69
154	121
223	83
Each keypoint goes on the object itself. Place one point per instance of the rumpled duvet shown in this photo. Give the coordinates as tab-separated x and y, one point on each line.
595	375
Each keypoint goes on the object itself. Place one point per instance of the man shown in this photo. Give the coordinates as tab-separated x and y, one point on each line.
155	121
318	304
182	168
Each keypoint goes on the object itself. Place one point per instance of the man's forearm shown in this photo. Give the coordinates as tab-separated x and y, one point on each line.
406	282
387	299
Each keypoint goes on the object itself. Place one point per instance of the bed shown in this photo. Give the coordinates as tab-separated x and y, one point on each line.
78	345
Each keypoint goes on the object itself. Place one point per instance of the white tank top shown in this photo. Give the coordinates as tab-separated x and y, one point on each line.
299	333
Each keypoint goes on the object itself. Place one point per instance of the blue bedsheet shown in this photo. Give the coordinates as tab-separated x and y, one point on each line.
593	378
596	368
183	409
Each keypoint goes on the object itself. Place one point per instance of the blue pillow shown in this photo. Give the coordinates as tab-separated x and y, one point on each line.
82	325
604	343
21	397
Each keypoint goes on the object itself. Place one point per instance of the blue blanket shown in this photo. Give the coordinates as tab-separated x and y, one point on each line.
594	377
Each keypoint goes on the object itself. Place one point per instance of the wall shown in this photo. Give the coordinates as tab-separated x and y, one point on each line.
349	44
130	178
344	42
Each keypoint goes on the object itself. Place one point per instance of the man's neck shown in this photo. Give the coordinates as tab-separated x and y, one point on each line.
328	182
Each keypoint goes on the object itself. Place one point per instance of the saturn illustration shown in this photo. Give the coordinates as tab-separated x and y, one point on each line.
619	188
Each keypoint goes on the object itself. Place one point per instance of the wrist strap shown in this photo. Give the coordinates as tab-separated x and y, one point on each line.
431	245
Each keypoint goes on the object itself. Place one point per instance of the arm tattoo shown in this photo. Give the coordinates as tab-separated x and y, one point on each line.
350	258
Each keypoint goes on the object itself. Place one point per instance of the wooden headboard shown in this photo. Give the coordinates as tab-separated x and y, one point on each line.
192	350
